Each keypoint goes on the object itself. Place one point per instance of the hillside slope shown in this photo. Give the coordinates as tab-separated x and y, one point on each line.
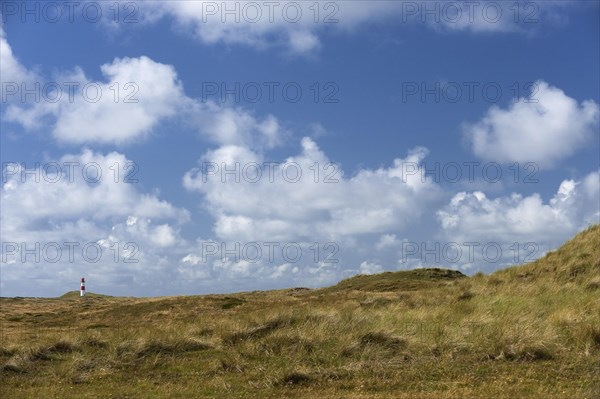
577	261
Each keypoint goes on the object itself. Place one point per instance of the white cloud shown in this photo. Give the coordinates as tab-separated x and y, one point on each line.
277	208
136	95
281	271
480	233
370	268
227	126
75	196
547	128
298	26
351	214
235	270
209	22
191	259
162	236
386	241
192	270
303	41
110	214
474	217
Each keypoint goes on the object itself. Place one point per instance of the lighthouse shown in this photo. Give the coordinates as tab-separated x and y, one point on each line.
82	289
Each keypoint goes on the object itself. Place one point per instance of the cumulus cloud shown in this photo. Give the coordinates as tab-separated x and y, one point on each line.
544	128
386	241
370	268
136	95
306	197
299	25
247	23
484	234
304	201
86	186
138	234
84	201
473	216
234	126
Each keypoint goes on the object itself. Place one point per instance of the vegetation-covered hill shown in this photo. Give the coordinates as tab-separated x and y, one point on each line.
404	280
76	295
531	331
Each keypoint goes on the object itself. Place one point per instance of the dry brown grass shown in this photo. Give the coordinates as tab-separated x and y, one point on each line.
527	332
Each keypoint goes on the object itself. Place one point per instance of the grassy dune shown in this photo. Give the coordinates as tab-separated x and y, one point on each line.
531	331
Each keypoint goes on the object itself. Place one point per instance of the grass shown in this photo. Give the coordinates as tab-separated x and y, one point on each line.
405	280
531	331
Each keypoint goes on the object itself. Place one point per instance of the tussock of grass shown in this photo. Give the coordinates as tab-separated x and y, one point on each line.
142	348
258	331
231	302
295	378
230	366
376	302
286	344
79	370
465	296
93	342
593	285
17	364
382	339
23	360
375	344
61	347
179	346
526	354
6	351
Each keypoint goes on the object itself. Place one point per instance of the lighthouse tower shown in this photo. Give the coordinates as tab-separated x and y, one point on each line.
82	289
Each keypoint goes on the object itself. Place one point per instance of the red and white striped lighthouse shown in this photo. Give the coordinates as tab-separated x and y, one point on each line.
82	289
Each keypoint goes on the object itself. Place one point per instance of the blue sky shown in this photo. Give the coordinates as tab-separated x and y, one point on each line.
376	126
